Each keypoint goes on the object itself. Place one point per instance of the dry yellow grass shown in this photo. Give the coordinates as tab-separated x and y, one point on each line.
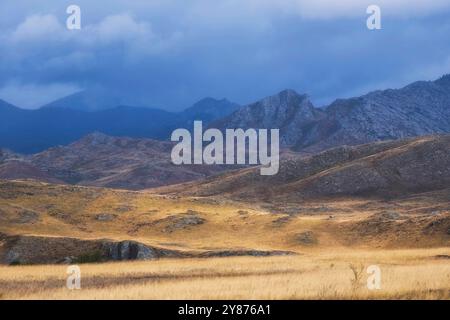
70	211
406	274
344	228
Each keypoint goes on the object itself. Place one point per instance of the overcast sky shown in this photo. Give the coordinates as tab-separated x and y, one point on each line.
171	53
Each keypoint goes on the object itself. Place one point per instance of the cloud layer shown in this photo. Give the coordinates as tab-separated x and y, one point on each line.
171	53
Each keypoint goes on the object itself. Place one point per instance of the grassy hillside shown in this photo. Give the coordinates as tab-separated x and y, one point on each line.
193	223
407	237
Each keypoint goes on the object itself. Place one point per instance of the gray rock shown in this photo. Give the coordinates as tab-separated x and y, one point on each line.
105	217
131	250
180	221
68	260
145	253
12	256
306	238
391	215
27	216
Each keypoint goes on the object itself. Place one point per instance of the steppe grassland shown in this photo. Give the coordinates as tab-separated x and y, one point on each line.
322	274
319	271
70	211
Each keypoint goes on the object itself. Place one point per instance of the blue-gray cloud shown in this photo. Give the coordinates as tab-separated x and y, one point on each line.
171	53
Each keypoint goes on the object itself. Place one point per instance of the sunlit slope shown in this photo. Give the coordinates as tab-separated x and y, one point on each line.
189	224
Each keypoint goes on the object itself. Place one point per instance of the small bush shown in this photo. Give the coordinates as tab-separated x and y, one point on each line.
357	271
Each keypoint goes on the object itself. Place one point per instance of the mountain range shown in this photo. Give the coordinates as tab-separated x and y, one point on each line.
420	108
31	131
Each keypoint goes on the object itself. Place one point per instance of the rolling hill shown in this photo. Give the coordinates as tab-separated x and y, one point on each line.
105	161
48	223
385	169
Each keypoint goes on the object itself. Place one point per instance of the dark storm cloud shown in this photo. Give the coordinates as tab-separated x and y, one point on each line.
171	53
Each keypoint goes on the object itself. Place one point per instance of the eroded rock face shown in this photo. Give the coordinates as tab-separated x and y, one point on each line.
36	250
48	250
130	250
42	250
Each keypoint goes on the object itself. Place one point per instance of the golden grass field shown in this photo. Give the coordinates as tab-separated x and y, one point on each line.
405	274
412	252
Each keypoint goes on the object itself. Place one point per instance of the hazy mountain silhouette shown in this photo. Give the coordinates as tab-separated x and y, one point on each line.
31	131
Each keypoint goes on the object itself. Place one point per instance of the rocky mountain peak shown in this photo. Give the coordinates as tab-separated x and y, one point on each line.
444	80
209	109
96	138
211	100
287	111
284	99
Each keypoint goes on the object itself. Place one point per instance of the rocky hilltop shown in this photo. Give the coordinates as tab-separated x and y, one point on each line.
288	111
117	162
105	161
385	169
418	109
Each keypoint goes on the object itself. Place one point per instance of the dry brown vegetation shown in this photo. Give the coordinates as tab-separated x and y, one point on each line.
184	223
407	237
406	274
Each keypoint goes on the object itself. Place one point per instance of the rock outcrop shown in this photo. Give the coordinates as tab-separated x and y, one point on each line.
21	249
44	250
